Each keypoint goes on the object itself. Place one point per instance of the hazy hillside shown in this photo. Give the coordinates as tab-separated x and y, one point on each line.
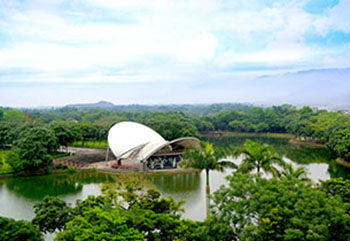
329	87
100	104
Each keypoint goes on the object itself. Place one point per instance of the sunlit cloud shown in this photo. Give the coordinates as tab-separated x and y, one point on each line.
168	41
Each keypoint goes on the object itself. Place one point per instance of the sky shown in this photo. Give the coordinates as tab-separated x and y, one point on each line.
58	52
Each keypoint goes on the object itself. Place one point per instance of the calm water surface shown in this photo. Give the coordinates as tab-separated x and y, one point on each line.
18	195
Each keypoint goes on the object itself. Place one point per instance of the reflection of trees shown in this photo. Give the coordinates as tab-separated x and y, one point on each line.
176	183
35	188
86	178
297	153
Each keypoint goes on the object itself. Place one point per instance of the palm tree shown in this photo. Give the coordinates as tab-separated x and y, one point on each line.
259	157
300	173
206	158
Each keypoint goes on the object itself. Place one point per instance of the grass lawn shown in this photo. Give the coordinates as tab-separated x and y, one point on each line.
91	144
5	168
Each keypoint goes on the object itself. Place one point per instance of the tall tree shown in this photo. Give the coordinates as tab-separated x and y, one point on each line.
32	149
65	132
259	157
207	158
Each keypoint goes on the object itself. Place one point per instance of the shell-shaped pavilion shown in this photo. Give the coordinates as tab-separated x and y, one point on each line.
140	144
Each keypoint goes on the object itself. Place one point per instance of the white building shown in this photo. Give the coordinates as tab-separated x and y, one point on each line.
137	143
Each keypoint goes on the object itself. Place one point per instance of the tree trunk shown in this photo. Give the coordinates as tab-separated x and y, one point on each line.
258	166
207	204
207	186
207	189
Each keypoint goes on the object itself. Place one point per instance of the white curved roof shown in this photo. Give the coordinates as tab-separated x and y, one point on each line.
133	140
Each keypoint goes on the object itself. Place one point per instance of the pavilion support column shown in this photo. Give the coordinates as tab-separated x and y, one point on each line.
107	153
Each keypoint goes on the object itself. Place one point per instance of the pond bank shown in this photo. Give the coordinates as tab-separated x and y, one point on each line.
219	134
307	143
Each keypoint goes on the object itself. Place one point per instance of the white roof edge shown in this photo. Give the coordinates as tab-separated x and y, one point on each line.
184	139
155	150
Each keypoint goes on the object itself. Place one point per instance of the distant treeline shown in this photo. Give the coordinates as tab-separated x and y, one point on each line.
173	121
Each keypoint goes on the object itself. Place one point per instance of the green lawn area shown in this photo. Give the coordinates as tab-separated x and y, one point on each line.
5	168
91	144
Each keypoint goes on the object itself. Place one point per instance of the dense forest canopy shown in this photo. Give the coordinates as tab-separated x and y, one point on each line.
69	124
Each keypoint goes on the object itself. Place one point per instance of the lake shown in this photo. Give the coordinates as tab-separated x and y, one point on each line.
18	195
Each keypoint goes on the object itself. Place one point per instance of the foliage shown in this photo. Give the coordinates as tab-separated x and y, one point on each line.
125	211
259	157
206	158
65	132
51	213
98	224
337	187
89	127
37	136
4	166
339	141
255	208
12	115
11	229
32	149
8	133
289	172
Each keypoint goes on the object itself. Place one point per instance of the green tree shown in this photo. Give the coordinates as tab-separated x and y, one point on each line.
259	157
207	159
337	187
51	213
237	125
15	116
11	230
254	208
125	211
32	149
339	141
289	172
87	131
97	224
5	139
64	132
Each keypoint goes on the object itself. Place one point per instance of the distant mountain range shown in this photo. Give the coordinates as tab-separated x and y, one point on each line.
322	88
100	104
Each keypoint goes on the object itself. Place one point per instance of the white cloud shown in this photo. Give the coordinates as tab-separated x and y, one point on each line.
201	47
166	40
336	18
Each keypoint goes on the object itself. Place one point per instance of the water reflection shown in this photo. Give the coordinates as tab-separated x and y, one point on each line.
35	188
18	195
319	161
179	182
184	186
